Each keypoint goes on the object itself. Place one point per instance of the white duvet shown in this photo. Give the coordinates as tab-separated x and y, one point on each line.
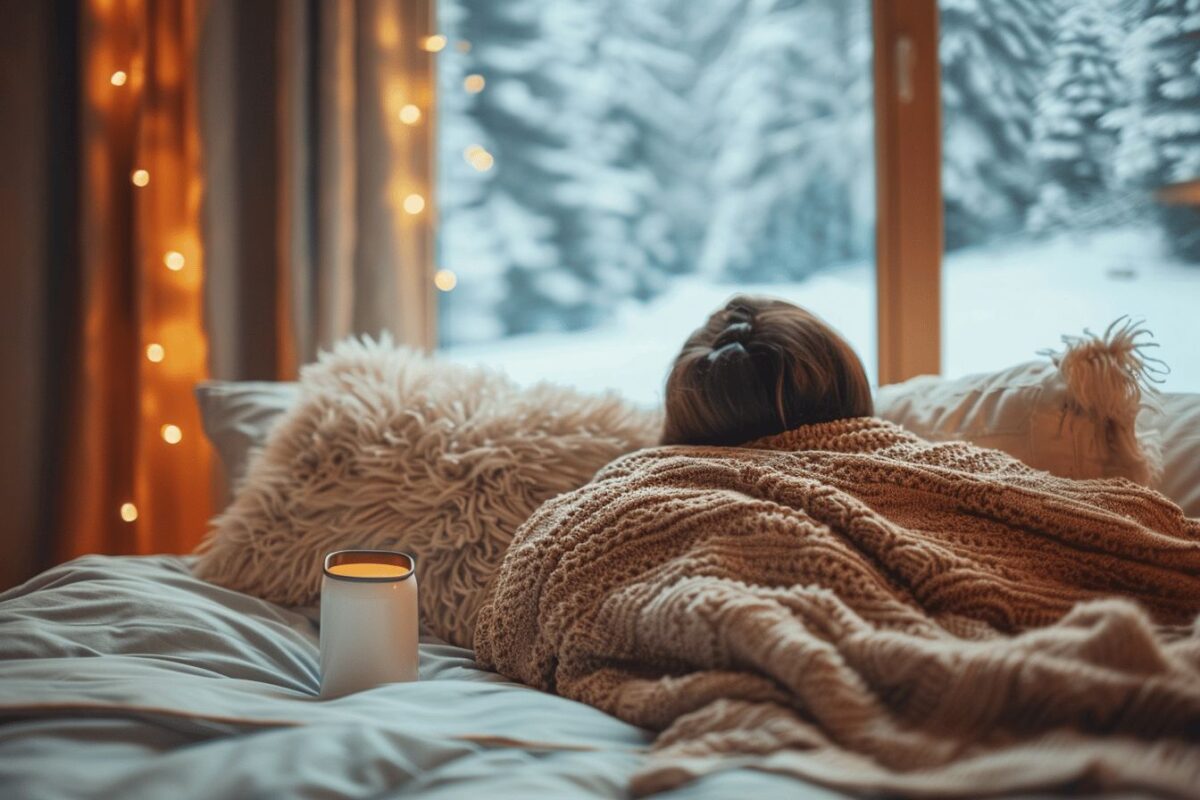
129	678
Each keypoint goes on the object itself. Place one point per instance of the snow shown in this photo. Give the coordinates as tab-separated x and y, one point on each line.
1003	304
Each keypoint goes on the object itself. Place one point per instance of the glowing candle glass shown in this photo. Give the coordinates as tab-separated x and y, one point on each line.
368	620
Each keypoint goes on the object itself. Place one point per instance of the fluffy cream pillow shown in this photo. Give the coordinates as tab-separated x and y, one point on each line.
387	448
1072	415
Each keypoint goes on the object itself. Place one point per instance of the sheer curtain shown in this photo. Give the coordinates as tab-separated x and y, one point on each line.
308	165
246	191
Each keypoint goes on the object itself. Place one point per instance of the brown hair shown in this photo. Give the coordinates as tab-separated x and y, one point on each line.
759	367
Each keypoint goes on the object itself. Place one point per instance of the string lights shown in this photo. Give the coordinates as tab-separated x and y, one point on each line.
434	44
479	158
410	114
474	83
414	203
445	280
141	132
174	260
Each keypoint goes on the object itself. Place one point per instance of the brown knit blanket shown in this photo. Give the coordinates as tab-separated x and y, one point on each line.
853	605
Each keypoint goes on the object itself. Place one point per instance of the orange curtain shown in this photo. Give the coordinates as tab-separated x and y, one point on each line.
136	467
252	189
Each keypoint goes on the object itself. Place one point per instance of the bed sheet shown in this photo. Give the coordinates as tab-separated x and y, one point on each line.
128	677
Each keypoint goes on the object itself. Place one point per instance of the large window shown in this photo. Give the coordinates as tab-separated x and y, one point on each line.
1063	121
610	172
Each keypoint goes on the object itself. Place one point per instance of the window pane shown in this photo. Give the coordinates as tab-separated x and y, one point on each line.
1063	121
612	172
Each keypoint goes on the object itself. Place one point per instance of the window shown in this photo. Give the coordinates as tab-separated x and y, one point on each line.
612	172
1063	123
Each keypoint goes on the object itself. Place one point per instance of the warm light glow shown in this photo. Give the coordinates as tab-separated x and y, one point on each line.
171	434
118	79
479	158
155	352
388	32
414	204
174	260
410	114
369	570
474	83
140	177
445	280
463	46
128	512
483	161
434	43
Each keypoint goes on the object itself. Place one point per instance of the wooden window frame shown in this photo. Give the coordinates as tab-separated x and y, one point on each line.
908	193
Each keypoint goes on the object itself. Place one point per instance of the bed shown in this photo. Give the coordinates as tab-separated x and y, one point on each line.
131	677
128	677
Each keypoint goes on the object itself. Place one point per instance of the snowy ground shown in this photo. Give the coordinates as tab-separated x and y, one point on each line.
1002	304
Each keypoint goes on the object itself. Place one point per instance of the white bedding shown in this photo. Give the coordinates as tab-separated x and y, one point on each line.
129	678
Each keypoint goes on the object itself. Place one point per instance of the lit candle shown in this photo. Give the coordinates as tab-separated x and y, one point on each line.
369	625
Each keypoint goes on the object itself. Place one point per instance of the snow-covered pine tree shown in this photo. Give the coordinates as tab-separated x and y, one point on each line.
1082	84
993	54
788	137
616	58
1160	128
571	216
494	220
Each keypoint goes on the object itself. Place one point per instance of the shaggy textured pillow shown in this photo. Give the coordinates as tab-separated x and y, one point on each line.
387	448
1072	415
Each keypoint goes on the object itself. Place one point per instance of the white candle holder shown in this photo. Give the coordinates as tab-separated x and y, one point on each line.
368	620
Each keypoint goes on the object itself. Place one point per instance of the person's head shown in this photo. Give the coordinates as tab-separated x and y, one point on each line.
759	367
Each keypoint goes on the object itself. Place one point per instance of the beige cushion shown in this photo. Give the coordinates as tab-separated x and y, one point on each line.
1175	426
386	448
1023	410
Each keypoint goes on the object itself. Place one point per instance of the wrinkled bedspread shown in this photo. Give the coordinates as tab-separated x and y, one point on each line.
129	678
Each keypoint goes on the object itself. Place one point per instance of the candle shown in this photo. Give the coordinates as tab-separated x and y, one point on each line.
369	627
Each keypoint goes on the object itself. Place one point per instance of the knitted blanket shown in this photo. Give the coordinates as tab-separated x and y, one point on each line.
855	606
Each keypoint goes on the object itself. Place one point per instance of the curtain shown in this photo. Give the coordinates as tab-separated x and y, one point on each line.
134	449
309	166
247	191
